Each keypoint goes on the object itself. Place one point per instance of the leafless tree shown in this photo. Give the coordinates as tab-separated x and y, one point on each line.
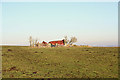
73	40
30	39
33	42
66	39
36	42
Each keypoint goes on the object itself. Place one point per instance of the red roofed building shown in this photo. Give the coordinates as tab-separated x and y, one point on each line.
59	42
44	43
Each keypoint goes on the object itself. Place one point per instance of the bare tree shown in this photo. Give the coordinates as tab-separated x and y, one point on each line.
30	39
73	40
66	39
33	42
36	42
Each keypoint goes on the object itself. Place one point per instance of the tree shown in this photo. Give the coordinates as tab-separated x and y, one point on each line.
33	42
73	40
66	39
30	39
36	42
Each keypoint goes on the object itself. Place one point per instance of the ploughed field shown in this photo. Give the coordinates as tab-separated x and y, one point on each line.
62	62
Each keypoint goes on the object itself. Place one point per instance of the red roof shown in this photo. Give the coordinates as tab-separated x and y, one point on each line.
44	42
60	42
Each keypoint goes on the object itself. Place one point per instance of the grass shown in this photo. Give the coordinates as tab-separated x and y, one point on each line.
72	62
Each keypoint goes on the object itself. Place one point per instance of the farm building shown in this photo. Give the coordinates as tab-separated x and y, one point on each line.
57	43
44	43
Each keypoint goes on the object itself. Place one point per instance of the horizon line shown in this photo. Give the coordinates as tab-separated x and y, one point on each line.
75	44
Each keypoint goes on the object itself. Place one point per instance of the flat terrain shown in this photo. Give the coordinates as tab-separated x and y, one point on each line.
62	62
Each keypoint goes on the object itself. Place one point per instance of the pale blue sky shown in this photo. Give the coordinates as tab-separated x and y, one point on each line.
93	23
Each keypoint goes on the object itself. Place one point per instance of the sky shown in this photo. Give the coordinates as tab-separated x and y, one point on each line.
92	23
59	0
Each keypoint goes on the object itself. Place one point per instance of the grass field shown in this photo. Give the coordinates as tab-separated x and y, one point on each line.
73	62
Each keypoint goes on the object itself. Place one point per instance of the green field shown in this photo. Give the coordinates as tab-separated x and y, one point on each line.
62	62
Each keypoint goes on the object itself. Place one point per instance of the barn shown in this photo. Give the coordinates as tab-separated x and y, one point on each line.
57	43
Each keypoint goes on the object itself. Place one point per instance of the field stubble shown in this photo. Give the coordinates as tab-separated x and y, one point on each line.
72	62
